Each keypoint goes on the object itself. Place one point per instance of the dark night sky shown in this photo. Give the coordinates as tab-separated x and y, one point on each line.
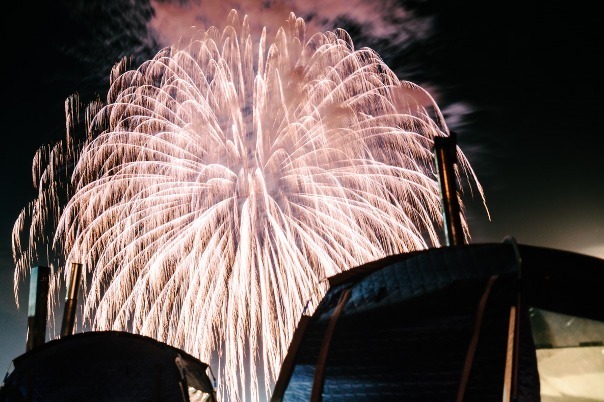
529	71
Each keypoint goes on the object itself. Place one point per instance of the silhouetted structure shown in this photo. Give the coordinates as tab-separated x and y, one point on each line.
106	366
71	299
444	324
37	309
445	158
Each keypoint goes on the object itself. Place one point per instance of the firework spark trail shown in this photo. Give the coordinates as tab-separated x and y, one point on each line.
225	179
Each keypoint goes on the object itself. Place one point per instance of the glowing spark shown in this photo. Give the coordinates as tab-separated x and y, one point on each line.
224	179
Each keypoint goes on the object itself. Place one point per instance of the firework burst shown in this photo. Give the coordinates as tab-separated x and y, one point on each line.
222	181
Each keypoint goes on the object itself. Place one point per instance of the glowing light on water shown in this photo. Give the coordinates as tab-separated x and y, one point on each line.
222	182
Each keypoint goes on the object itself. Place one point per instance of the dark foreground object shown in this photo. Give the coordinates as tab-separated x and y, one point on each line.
105	366
445	324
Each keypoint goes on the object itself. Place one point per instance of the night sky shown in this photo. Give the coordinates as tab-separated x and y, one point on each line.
520	82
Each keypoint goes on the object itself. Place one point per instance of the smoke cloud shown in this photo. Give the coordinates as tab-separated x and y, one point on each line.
375	20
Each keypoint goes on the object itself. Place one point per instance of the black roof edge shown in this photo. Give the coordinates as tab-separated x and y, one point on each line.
194	369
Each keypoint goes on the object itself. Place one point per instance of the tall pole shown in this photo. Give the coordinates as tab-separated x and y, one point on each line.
37	307
445	152
71	299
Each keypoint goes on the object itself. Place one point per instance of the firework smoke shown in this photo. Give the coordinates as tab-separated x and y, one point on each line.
224	180
378	20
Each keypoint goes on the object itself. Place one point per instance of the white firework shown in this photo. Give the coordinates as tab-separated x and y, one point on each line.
224	180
